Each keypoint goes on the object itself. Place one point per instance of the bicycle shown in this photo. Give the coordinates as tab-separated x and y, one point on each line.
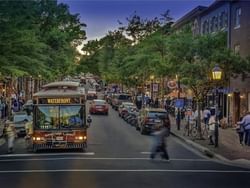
190	131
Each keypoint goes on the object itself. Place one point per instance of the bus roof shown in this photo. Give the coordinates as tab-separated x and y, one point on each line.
61	84
61	89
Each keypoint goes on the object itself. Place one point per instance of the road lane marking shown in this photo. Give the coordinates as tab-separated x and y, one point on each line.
99	158
44	154
123	170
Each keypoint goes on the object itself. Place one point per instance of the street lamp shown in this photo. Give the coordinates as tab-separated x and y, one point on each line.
152	79
216	75
216	72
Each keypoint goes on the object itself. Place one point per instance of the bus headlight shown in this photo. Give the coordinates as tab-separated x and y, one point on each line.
81	137
37	138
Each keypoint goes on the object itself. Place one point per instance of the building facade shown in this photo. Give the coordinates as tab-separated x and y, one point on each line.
232	17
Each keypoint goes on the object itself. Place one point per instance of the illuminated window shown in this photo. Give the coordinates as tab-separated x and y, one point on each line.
237	17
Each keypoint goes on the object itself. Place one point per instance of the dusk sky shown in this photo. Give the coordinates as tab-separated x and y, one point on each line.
102	16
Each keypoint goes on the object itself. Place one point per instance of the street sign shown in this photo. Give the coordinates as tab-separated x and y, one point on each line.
155	87
179	103
172	84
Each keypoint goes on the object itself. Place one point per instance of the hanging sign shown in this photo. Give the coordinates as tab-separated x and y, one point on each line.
172	84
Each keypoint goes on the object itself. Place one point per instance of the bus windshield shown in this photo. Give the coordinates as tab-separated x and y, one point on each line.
59	117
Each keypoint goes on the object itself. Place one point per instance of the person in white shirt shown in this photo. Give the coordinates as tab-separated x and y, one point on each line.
206	115
211	124
11	135
196	116
245	122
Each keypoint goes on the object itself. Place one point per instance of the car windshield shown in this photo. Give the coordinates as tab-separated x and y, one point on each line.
59	117
155	114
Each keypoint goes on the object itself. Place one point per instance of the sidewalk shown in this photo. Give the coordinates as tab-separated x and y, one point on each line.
229	148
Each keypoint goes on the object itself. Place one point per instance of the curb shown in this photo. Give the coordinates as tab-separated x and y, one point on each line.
243	163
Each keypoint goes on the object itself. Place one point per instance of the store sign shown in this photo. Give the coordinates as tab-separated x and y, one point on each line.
172	84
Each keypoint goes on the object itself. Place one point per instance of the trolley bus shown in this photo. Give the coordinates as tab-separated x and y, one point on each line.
59	117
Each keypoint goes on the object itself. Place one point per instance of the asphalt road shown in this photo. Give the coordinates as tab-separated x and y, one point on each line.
117	156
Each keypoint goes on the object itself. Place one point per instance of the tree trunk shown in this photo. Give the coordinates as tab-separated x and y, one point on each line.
199	120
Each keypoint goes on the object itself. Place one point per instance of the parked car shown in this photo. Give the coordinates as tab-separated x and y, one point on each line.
131	117
148	118
99	106
124	108
91	95
117	99
19	120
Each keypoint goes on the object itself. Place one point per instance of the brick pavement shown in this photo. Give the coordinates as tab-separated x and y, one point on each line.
229	146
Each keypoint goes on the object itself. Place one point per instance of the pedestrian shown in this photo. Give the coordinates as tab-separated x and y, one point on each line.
29	133
240	131
10	134
211	127
196	116
156	103
206	115
159	144
245	123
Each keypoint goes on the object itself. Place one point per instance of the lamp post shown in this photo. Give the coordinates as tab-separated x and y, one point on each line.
216	75
39	81
178	119
152	80
31	87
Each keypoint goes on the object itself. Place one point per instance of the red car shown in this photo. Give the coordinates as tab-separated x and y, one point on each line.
98	106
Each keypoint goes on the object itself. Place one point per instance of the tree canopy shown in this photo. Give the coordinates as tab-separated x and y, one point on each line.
38	37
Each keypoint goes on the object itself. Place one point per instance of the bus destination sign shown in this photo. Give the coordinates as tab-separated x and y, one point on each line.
59	101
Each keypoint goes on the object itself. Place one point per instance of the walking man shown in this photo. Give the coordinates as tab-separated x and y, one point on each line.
11	134
159	144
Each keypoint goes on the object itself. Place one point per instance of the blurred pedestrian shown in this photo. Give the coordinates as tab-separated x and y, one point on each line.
156	103
10	134
29	133
245	123
211	127
206	115
160	135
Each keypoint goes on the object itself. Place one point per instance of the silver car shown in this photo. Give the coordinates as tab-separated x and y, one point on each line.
20	119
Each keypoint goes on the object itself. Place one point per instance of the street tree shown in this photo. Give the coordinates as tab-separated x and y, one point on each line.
193	57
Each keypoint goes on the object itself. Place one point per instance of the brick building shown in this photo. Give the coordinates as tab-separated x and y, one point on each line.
232	17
